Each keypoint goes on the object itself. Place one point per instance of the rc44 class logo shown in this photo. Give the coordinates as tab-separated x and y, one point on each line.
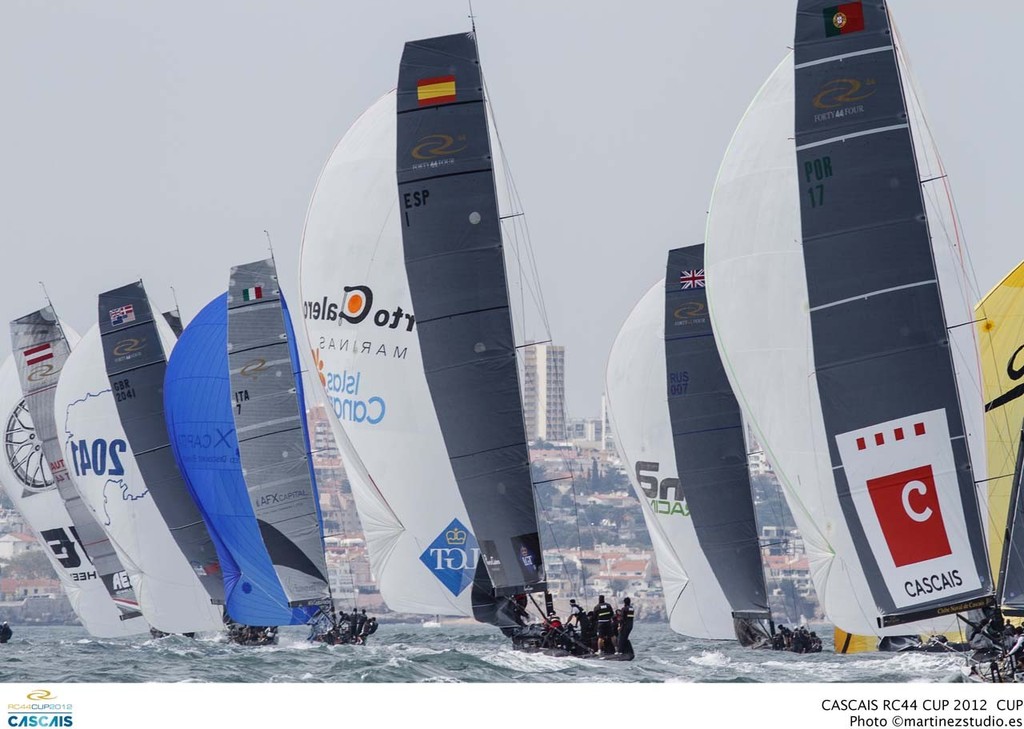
452	557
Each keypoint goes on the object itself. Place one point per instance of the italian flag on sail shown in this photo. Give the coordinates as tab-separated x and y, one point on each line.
843	19
253	294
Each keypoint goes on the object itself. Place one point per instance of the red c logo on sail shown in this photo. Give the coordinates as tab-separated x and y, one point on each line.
907	505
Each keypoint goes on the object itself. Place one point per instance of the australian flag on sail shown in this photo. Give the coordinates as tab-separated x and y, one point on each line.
691	279
122	315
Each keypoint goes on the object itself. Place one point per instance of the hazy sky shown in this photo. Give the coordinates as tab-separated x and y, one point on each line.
159	141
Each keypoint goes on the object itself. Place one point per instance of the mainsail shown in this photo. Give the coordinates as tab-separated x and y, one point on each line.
135	364
108	477
41	349
25	477
453	258
198	403
270	421
710	448
849	376
637	388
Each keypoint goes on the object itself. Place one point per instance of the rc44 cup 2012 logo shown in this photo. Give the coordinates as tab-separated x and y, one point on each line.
39	708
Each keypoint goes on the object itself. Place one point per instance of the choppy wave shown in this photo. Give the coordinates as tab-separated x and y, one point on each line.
445	654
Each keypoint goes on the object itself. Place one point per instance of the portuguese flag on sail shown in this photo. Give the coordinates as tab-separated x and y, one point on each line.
843	19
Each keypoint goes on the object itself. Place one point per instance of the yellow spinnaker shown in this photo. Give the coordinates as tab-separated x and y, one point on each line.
1000	316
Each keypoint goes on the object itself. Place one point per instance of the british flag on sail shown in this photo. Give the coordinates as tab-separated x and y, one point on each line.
691	279
122	314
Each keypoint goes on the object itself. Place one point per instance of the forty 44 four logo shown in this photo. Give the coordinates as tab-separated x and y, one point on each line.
355	306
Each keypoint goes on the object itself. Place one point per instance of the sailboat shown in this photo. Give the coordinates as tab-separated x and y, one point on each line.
412	339
26	478
847	364
235	413
680	433
41	349
106	472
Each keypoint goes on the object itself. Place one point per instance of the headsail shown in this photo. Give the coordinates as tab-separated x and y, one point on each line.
999	319
25	477
886	382
135	364
453	257
270	420
198	401
41	349
108	477
637	388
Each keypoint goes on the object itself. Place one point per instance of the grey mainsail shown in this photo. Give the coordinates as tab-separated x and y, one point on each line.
884	373
135	363
707	432
453	255
40	351
272	441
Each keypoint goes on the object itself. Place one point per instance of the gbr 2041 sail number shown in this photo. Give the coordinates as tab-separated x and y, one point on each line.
101	457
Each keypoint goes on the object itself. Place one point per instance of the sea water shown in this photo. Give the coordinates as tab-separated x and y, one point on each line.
411	653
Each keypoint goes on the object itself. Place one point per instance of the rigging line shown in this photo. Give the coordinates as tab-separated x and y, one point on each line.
967	323
533	344
513	190
993	478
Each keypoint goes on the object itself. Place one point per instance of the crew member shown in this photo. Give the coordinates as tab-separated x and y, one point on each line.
605	617
625	628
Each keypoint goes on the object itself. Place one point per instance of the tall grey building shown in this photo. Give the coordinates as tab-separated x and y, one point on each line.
544	392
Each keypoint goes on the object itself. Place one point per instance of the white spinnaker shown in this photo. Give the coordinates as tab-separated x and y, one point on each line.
382	413
636	386
44	511
169	592
757	297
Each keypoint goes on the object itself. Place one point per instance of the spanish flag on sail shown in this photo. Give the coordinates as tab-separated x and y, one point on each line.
437	90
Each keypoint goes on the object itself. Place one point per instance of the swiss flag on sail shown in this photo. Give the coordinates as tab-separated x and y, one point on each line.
907	505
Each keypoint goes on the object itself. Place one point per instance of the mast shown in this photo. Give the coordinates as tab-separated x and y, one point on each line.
453	258
885	377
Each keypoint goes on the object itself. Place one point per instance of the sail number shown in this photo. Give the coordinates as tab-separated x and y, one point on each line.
123	390
101	458
816	171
